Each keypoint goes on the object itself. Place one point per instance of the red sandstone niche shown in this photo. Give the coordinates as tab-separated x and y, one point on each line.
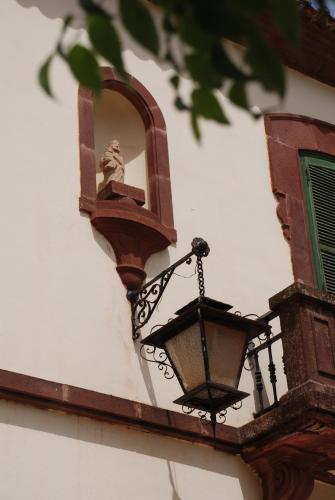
134	232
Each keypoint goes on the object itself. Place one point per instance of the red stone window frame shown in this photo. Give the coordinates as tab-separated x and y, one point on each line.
134	232
287	134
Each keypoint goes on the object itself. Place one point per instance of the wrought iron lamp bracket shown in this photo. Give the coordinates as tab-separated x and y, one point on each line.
145	301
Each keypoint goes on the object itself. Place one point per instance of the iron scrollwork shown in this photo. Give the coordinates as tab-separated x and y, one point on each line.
221	417
205	416
158	356
187	410
145	301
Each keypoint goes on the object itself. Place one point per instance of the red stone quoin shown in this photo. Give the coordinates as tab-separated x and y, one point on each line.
287	134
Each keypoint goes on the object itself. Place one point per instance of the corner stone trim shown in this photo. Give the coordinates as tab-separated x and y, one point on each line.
286	135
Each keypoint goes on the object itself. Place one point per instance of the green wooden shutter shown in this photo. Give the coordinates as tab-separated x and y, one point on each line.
319	187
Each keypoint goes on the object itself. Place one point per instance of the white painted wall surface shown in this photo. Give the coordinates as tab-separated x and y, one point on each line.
63	311
49	455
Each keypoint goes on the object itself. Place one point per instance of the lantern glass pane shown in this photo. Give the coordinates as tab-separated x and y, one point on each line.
185	352
204	393
226	347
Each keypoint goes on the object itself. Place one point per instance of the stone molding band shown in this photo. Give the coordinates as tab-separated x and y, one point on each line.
83	402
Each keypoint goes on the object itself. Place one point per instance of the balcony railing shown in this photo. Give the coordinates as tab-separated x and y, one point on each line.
265	343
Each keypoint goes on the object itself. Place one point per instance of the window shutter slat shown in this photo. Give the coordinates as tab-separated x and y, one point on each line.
319	183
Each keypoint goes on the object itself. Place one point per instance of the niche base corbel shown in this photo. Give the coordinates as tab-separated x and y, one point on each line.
134	234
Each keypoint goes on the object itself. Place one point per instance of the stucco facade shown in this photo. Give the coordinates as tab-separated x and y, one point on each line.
64	313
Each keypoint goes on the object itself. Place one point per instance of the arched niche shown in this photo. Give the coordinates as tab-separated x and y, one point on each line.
130	114
115	117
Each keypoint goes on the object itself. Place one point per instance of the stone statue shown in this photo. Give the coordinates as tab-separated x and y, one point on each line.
112	164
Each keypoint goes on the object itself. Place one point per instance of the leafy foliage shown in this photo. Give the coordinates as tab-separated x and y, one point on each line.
190	36
43	76
206	104
137	20
85	67
105	40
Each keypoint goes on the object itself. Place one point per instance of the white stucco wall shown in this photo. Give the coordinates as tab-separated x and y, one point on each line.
63	311
48	455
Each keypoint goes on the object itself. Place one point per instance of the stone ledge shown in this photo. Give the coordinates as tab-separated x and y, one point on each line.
298	408
116	190
304	291
75	400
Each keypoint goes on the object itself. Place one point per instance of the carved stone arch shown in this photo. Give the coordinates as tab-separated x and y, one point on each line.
134	232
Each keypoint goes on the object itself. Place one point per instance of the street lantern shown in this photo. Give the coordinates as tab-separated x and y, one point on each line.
205	344
206	347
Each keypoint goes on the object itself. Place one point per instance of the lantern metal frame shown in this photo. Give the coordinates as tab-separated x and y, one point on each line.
200	309
219	396
143	304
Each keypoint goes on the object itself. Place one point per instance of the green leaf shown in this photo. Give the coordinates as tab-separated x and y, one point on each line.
201	70
169	57
238	96
179	103
85	68
91	7
212	15
206	104
105	40
250	7
286	16
168	25
66	23
265	64
175	80
43	76
138	21
193	34
222	63
195	126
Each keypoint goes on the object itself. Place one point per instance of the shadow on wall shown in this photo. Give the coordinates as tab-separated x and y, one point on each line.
52	9
113	116
59	9
105	246
121	438
156	264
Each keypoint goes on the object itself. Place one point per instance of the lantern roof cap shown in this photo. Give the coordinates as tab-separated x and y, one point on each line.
222	306
211	310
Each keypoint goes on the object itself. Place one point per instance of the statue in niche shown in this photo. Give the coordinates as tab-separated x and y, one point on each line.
111	164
